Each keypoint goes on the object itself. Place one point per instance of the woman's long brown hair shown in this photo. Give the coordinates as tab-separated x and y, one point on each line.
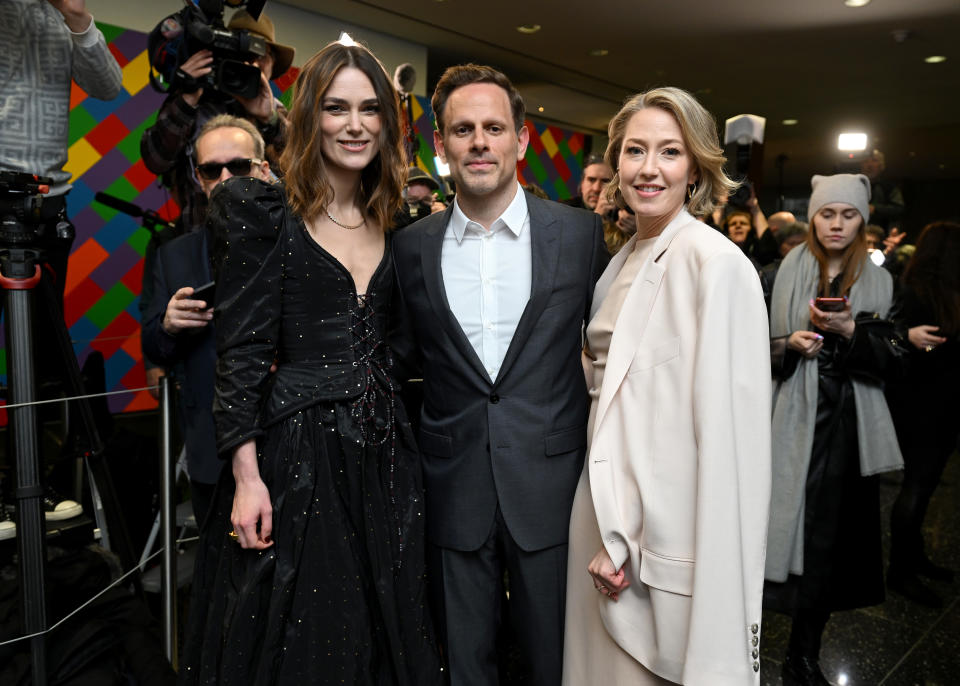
934	275
305	173
851	262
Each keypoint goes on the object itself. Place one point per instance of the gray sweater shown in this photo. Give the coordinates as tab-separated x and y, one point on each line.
39	56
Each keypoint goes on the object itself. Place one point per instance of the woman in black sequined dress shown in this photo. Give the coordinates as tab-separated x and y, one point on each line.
311	568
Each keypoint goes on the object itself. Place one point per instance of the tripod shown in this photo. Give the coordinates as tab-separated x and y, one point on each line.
25	273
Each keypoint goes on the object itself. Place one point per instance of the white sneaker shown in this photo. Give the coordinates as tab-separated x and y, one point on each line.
56	508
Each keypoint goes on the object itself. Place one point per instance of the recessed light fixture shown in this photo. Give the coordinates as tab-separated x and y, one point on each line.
528	28
852	141
856	3
540	108
599	52
790	122
935	59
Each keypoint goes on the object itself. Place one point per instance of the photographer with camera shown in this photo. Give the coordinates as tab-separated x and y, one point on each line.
746	225
202	89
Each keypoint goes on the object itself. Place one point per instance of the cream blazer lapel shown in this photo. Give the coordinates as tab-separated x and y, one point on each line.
632	321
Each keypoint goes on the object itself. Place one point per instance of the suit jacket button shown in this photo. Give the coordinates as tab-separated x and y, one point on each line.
494	398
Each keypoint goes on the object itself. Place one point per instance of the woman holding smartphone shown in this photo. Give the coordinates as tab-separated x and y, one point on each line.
832	349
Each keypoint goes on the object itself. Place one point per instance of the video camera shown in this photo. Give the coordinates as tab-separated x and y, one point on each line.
199	26
23	221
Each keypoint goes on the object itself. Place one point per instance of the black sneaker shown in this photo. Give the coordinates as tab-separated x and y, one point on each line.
56	509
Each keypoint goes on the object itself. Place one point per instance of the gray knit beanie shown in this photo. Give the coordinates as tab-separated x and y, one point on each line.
852	189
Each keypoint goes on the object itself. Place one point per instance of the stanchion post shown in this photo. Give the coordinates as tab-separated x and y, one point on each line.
168	586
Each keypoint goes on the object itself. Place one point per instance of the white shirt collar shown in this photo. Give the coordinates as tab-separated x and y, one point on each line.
513	218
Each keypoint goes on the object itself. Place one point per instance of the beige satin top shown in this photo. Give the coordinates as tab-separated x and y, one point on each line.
600	328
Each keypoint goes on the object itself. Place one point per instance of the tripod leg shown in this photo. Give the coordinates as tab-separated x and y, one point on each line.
31	527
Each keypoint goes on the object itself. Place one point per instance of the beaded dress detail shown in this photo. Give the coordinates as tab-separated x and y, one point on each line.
340	596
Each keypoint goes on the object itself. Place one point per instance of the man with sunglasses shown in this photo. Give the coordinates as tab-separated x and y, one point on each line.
177	331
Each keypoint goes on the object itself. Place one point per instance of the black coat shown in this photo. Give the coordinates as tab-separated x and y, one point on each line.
189	356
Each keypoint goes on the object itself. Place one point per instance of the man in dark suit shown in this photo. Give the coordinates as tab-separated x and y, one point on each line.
496	290
177	330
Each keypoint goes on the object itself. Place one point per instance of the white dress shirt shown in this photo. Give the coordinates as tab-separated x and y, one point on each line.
487	277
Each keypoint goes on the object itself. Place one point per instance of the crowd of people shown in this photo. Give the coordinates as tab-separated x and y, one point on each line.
590	469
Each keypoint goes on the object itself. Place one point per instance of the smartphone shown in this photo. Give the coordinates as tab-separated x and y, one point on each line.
205	292
831	304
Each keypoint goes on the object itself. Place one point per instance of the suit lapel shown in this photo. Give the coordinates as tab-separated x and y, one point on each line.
545	253
631	323
430	247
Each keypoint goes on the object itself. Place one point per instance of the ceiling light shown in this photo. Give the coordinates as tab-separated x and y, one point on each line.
528	28
599	52
540	109
935	59
345	39
856	3
852	141
790	122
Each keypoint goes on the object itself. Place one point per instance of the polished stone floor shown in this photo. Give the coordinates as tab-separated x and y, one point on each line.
898	643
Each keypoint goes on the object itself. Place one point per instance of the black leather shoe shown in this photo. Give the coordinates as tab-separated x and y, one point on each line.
934	571
802	671
911	588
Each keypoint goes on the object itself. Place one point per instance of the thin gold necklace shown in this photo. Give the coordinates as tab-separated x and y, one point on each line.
341	224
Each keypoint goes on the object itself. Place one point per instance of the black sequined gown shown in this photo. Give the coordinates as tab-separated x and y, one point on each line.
339	598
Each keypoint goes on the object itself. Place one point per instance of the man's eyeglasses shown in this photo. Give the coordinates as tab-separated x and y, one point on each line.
240	166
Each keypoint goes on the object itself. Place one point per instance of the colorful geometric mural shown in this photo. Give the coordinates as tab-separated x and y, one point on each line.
103	284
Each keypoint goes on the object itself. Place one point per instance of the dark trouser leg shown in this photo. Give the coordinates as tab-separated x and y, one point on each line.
201	497
806	633
537	601
466	589
924	462
801	668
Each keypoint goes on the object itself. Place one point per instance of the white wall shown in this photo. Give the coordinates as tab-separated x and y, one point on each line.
304	31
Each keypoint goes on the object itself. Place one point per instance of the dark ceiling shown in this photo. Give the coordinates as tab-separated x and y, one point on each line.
830	67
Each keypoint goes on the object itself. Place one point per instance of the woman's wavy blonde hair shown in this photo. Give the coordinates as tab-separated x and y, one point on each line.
699	135
305	173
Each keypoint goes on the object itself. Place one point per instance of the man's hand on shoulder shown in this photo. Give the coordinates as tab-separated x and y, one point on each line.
74	13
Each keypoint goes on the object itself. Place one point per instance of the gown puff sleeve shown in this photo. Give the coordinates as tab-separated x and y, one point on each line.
245	221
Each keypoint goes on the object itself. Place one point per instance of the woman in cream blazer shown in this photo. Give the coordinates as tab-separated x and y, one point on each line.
667	535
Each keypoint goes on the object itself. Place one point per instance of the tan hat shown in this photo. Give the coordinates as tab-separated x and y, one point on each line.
417	174
282	54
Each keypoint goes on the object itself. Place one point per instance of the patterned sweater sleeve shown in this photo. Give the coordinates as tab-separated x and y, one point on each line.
94	68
